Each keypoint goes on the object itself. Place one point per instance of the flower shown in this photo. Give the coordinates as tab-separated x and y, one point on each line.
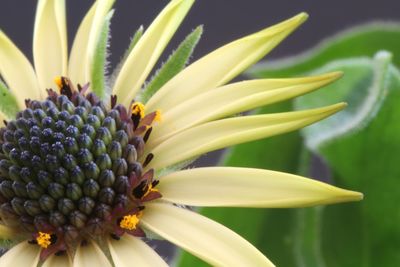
87	172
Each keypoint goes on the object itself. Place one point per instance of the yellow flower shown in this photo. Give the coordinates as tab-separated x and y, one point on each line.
84	178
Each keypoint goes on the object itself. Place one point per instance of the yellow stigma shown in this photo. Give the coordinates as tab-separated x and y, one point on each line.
158	116
58	80
43	240
138	109
129	222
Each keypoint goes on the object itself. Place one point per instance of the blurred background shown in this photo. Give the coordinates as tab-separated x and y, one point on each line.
223	20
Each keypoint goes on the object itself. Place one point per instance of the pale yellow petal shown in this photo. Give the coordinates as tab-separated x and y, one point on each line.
6	232
222	65
146	52
204	238
86	41
23	254
219	134
58	261
131	249
76	66
245	187
232	99
17	72
50	42
90	255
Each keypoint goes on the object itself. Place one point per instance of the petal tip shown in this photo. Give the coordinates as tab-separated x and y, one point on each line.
302	17
348	196
339	106
335	75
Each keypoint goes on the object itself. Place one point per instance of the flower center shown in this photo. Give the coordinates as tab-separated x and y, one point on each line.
71	169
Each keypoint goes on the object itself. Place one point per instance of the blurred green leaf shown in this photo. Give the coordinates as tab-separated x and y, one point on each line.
363	40
269	230
362	151
8	103
359	145
362	87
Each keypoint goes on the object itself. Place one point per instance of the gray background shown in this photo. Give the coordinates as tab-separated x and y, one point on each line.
224	20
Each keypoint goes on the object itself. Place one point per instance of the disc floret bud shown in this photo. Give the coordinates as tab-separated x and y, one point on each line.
71	169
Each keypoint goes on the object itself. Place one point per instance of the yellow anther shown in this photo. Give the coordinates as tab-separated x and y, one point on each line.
138	109
59	81
129	222
43	240
158	116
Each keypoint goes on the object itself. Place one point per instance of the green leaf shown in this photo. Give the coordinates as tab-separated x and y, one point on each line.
362	86
175	63
363	40
99	68
361	148
269	230
8	103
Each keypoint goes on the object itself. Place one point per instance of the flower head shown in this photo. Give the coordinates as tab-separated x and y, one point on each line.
88	171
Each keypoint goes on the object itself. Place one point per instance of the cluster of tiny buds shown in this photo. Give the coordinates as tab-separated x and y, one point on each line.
71	169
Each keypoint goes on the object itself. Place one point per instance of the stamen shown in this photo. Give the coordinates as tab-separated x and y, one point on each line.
138	109
113	101
129	222
150	189
65	86
137	113
147	160
147	134
44	240
58	81
158	117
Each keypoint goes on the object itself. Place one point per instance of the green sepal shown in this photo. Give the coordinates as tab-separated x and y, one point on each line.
135	39
99	64
175	63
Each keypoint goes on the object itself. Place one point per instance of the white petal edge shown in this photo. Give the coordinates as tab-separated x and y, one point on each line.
222	133
58	261
50	51
204	238
146	52
23	254
17	72
232	99
85	41
246	187
90	255
131	249
222	65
